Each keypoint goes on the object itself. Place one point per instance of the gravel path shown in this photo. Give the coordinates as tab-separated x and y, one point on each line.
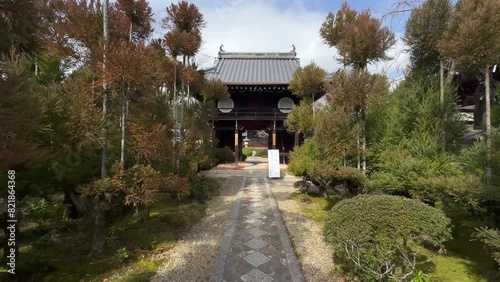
313	254
192	257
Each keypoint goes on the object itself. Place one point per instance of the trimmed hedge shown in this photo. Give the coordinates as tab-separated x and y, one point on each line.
376	237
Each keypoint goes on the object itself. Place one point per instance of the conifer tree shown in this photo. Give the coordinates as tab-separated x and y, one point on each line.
473	41
360	40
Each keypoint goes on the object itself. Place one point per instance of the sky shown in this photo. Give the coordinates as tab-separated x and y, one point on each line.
274	25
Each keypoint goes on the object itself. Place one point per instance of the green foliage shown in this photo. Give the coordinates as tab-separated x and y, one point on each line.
401	173
123	254
467	190
421	277
214	90
356	89
308	81
490	237
247	151
315	208
20	27
302	159
223	155
333	28
203	188
335	135
424	29
374	235
300	119
261	153
44	212
326	176
474	158
410	152
419	128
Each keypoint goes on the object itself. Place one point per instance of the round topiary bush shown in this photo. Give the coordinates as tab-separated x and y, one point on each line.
378	238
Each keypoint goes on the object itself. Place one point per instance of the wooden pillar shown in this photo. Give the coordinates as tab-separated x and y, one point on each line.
236	145
274	136
274	139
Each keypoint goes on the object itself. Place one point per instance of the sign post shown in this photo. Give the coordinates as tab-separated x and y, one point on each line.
273	158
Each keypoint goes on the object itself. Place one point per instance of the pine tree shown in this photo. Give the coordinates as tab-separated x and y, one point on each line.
473	41
360	40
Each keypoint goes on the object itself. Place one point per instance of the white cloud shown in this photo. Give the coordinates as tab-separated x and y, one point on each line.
263	26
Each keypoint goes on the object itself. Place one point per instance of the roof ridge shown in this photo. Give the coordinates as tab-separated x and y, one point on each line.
257	55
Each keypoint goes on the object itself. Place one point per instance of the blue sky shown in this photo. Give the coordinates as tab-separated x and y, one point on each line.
274	25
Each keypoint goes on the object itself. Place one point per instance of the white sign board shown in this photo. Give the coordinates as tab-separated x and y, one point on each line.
273	158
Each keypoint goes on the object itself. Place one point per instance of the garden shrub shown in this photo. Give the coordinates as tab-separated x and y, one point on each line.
376	237
261	153
203	188
302	159
223	155
491	238
325	176
403	174
248	151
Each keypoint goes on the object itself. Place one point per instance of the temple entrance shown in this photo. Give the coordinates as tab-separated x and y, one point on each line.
258	139
254	114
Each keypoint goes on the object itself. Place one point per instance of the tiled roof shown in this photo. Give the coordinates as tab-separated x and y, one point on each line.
254	68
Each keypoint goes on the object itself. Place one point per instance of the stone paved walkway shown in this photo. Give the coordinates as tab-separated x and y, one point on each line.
256	247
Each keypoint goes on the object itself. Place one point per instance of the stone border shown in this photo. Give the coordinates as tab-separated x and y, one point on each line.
218	268
293	264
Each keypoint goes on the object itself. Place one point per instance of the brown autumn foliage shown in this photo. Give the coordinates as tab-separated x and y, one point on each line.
473	37
177	186
74	28
150	139
359	38
181	42
364	41
184	22
184	16
122	68
139	15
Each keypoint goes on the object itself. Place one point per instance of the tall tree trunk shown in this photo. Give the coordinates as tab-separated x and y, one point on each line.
364	108
363	140
313	108
125	111
451	72
182	98
441	99
488	125
359	152
188	86
100	231
176	127
105	95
